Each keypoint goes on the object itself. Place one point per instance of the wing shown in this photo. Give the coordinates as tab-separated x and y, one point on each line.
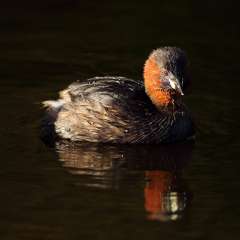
104	89
122	94
110	109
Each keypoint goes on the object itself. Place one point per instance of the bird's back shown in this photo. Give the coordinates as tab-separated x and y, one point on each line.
111	109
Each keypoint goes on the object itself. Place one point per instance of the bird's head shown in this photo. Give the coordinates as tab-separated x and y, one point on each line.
165	75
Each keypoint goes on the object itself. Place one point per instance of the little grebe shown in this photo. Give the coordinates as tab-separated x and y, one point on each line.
121	110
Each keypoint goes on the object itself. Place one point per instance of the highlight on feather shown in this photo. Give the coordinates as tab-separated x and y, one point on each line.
56	105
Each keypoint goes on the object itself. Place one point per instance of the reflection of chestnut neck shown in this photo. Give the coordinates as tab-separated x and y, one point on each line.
152	80
158	184
165	196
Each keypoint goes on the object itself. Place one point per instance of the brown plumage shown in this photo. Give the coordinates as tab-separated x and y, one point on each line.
122	110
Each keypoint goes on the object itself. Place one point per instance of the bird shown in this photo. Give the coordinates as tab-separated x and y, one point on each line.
120	110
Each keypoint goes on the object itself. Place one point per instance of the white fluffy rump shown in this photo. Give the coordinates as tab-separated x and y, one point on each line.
53	104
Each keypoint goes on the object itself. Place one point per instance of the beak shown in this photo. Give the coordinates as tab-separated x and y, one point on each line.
179	89
175	84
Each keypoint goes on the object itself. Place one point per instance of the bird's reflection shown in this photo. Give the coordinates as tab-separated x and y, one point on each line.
166	197
108	166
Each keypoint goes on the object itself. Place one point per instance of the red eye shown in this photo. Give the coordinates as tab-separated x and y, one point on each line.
165	72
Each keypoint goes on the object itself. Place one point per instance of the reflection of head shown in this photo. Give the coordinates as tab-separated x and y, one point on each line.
165	196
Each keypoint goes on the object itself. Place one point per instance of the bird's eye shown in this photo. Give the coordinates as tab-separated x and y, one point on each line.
165	72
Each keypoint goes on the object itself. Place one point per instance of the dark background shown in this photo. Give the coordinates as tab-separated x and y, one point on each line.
45	45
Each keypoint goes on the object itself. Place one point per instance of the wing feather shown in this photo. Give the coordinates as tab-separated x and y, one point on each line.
110	109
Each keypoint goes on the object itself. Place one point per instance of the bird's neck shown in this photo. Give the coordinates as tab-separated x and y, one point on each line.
152	80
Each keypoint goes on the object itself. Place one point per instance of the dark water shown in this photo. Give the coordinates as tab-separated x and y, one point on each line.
110	192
